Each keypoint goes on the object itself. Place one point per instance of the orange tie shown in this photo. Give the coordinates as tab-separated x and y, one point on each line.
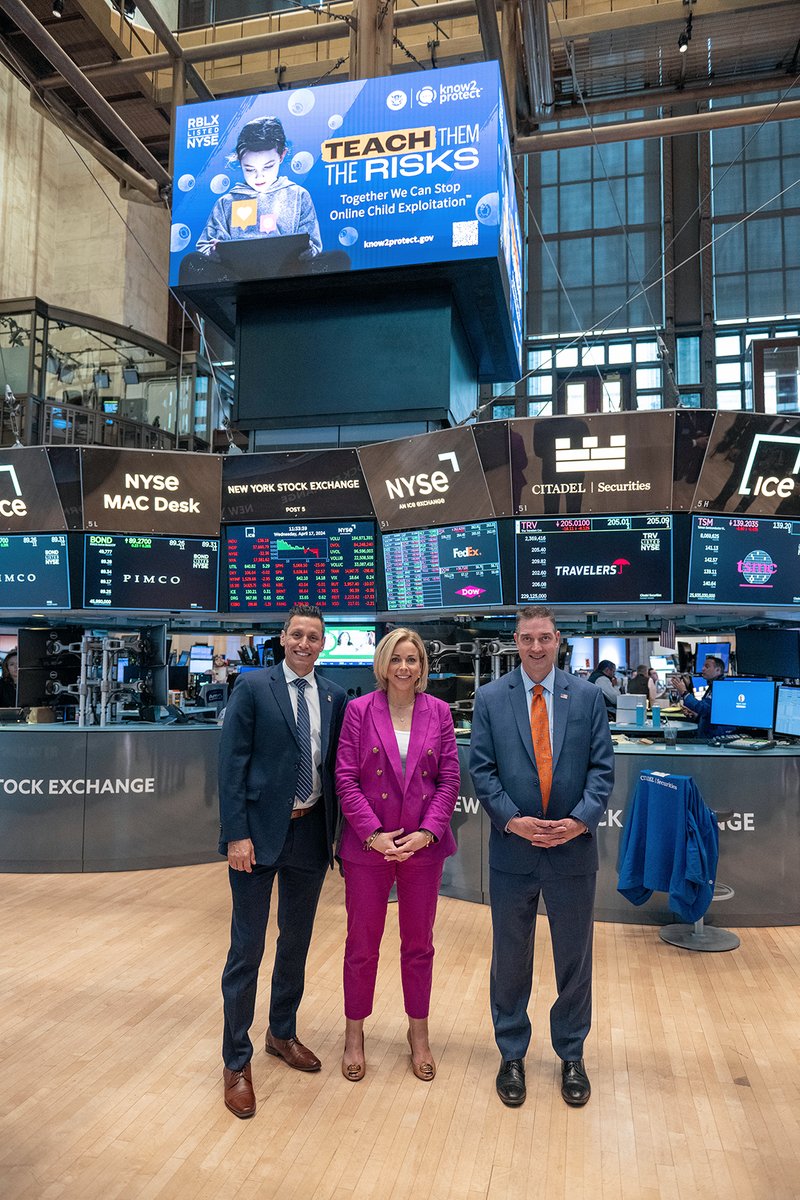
540	733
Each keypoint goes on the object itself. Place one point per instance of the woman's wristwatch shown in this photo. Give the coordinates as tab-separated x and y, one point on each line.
431	837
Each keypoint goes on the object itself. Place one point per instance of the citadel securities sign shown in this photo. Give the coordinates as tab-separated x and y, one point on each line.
294	485
151	491
433	479
29	500
605	463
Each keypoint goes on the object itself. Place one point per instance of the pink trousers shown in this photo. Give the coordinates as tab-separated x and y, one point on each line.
366	897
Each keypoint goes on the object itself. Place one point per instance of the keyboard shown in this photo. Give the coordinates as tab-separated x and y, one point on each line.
743	743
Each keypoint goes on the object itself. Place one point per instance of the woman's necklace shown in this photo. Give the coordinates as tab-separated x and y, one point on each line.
401	713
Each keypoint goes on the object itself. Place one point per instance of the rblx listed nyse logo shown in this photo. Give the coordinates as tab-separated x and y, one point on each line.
202	132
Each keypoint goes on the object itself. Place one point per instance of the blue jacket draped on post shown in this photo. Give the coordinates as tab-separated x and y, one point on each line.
670	843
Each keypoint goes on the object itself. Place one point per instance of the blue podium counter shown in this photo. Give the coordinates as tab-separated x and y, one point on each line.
126	798
756	796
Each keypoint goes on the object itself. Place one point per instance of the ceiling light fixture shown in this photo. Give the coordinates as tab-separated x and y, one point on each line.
686	36
58	8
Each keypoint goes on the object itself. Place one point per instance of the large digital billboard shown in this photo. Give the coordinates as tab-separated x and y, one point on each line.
385	172
594	560
746	561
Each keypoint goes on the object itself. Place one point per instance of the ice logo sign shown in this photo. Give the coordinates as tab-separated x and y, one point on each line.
770	485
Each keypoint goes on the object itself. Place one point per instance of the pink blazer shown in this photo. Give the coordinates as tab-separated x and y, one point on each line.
373	789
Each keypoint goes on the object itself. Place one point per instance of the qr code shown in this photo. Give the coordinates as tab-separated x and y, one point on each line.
200	562
465	233
51	558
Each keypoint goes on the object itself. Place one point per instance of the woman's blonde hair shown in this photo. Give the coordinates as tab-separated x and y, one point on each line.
386	648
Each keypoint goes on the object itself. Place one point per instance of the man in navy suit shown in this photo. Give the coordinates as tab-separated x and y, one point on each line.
545	804
278	818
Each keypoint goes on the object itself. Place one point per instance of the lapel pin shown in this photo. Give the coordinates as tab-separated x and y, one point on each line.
563	696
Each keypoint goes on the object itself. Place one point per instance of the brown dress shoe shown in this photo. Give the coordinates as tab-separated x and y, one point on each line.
240	1098
293	1053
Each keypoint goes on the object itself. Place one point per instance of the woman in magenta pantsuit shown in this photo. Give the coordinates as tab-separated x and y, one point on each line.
397	776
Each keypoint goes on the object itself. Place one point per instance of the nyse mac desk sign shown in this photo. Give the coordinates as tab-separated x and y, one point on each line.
583	464
143	491
431	480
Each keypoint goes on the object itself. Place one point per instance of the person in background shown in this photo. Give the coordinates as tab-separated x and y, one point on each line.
219	672
397	776
542	763
700	710
603	677
655	688
638	684
278	816
8	681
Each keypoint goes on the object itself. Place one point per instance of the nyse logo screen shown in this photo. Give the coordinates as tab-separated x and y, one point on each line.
594	560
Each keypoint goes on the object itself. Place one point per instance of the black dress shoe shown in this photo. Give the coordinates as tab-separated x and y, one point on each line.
511	1082
575	1086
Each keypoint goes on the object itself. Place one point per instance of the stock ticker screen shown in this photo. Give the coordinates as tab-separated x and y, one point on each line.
747	561
34	572
594	560
455	566
327	563
156	574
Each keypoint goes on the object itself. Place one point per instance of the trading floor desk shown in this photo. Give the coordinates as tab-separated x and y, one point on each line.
125	798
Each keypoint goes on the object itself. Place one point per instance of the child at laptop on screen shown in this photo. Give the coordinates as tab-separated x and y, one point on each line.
266	204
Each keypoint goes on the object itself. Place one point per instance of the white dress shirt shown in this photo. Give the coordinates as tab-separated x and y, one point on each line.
312	700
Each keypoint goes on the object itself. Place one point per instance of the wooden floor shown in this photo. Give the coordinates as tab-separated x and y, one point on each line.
111	1079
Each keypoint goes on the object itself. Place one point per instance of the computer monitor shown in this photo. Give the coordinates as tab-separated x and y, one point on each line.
718	649
787	712
201	660
178	677
743	703
122	663
774	652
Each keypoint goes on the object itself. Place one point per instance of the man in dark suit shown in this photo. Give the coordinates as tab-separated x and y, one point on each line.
542	763
278	817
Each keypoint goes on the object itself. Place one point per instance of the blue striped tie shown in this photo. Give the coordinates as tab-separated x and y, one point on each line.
305	774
